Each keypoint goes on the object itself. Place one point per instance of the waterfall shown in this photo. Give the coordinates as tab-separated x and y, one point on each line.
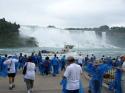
103	38
52	37
48	37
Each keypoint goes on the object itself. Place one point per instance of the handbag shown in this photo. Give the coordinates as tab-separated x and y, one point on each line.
24	69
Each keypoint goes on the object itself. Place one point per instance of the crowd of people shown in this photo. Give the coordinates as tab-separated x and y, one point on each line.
72	67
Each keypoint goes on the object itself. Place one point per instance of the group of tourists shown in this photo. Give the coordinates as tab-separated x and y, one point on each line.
10	65
73	69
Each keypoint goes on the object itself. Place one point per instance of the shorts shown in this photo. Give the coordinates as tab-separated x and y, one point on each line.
72	91
11	74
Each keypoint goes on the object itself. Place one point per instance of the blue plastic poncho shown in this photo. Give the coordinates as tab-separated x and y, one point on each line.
115	85
55	65
64	83
3	72
96	73
118	81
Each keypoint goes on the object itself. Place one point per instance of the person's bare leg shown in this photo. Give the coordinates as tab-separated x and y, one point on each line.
13	85
10	83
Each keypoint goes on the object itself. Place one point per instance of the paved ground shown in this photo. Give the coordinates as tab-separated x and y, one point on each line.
43	84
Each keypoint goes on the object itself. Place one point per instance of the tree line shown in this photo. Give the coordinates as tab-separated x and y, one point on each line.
10	37
6	26
101	28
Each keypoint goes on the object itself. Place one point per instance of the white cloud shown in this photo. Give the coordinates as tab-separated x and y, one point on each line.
64	13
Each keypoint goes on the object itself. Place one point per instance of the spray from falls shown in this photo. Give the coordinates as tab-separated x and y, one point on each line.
52	37
103	38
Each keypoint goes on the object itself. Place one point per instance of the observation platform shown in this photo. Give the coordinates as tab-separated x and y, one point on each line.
42	84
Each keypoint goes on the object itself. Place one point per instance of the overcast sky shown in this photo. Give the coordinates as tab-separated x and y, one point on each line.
64	13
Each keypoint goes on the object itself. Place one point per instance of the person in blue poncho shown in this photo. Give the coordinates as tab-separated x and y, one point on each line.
5	57
41	68
54	63
39	58
25	59
119	61
33	57
97	71
58	65
3	68
115	85
108	60
73	76
20	61
103	58
93	58
0	63
123	75
46	64
86	58
40	63
63	62
36	59
117	81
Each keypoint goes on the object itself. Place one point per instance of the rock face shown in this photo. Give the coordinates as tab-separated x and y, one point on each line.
115	38
9	36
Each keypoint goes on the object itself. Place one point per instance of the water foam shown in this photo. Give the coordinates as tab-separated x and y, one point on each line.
52	37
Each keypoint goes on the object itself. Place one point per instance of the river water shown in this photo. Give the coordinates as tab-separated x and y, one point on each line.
98	52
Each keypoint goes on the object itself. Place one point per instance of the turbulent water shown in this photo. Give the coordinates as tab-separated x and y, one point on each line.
52	37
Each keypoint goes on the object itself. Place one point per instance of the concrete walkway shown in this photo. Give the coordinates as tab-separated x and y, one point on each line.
43	84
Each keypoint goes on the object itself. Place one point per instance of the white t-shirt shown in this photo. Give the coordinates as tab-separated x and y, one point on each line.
80	59
30	72
123	73
72	73
11	64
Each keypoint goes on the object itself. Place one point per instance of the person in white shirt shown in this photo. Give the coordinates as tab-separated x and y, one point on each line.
29	76
80	60
72	74
10	62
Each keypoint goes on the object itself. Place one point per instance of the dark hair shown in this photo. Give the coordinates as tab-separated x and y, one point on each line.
47	58
20	53
71	59
29	59
54	55
6	55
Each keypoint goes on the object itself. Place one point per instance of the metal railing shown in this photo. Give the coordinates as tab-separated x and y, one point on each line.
109	76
